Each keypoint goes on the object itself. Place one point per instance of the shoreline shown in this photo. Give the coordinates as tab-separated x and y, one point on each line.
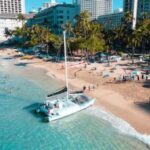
122	109
111	100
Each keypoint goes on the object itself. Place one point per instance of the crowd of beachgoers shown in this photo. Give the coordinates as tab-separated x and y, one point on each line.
121	87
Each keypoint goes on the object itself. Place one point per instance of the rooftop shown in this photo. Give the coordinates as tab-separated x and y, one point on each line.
45	11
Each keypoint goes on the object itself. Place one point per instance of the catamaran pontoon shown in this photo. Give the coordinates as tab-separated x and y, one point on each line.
59	108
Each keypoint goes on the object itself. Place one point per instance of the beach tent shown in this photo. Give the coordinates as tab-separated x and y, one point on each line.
100	56
135	73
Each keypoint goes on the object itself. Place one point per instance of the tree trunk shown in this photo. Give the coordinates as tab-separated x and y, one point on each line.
108	57
143	47
149	59
133	52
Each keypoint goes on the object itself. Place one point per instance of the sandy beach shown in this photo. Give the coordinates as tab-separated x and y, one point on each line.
128	101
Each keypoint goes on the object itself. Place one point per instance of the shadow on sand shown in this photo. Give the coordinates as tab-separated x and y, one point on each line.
144	105
146	84
136	65
22	64
8	58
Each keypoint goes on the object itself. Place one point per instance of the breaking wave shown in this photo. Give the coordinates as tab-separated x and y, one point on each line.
119	124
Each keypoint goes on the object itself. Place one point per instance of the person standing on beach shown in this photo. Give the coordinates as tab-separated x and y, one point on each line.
84	88
75	74
97	85
138	77
89	88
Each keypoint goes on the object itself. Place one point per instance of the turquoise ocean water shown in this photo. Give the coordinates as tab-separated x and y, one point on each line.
21	88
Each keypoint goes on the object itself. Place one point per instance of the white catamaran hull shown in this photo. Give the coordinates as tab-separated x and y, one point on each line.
59	108
70	110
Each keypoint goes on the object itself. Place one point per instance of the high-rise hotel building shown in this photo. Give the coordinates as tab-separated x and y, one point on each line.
12	6
9	10
143	6
114	19
95	8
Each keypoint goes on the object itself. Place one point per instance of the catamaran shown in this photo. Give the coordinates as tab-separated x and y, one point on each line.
70	103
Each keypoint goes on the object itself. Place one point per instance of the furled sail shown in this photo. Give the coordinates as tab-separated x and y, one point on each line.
60	91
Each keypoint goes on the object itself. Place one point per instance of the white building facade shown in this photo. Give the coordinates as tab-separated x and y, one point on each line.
95	8
12	6
8	22
9	10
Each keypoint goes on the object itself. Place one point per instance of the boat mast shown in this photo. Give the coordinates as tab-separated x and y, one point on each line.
66	66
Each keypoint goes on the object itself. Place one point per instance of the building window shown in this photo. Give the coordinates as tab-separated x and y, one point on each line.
60	17
61	11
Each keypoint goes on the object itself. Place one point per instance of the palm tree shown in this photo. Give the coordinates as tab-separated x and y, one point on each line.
35	35
69	34
95	41
144	30
21	18
68	28
82	24
81	30
88	34
124	33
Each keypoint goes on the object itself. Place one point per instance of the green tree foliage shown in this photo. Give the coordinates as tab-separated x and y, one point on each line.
94	40
124	38
124	31
21	18
35	35
82	25
88	34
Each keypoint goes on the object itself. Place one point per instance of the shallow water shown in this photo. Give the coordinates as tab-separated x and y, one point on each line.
21	88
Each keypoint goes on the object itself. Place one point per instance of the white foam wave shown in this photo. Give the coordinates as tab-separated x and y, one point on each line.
120	124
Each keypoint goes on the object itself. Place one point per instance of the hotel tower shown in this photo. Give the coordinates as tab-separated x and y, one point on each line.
95	8
12	6
143	6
